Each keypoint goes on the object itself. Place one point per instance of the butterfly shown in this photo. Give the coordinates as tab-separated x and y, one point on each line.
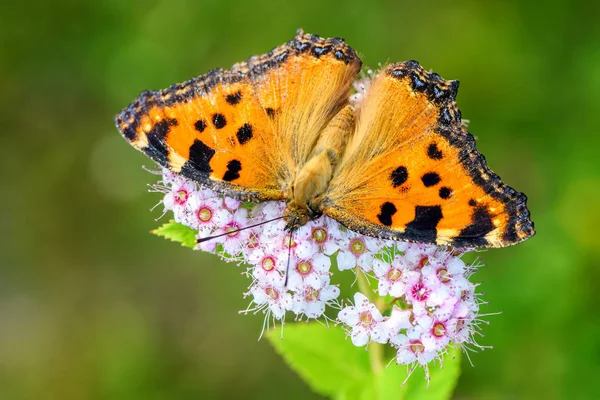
398	164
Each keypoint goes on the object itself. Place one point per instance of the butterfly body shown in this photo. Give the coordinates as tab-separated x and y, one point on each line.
280	126
306	193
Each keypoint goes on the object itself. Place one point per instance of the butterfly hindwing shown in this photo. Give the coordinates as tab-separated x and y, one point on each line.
411	171
245	131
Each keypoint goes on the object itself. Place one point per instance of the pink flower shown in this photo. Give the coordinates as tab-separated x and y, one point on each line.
268	267
273	297
308	272
311	302
178	196
323	233
357	251
411	348
392	277
232	225
202	213
364	321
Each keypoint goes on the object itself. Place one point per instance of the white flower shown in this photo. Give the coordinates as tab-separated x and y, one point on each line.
391	277
411	348
436	333
177	198
364	321
202	212
273	296
323	232
235	239
398	320
308	272
357	251
311	302
267	267
449	273
231	204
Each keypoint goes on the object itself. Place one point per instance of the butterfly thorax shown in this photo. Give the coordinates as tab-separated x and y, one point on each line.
305	194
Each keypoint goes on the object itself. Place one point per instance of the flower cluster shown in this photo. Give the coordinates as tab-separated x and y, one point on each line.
423	301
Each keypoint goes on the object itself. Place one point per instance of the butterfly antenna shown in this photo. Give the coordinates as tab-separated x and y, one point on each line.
287	268
204	239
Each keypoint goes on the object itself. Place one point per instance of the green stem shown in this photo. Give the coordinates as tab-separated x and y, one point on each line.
376	350
376	357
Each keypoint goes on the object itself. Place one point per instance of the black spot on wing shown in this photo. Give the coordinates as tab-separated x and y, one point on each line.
200	125
244	134
219	120
234	98
474	234
233	170
157	145
430	179
271	112
130	133
387	211
199	159
445	192
433	152
399	176
423	227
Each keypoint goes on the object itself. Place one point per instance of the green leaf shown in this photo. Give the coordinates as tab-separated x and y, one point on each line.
325	359
177	232
333	367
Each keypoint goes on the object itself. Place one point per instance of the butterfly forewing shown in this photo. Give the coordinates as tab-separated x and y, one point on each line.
245	131
412	172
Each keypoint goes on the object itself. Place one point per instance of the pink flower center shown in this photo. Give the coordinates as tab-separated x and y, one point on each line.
319	235
304	268
357	246
394	274
420	292
312	294
233	229
181	196
204	214
460	324
438	330
253	240
423	262
443	275
366	319
268	263
272	293
416	346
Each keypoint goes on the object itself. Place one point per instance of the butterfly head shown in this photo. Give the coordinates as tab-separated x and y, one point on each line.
295	217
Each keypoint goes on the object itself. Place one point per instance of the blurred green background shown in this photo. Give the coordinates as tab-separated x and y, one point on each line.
93	307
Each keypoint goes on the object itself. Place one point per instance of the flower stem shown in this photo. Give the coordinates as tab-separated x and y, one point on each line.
376	355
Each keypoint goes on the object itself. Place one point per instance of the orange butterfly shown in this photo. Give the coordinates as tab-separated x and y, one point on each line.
397	165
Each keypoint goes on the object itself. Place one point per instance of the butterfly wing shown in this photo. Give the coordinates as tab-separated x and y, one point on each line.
244	131
411	171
